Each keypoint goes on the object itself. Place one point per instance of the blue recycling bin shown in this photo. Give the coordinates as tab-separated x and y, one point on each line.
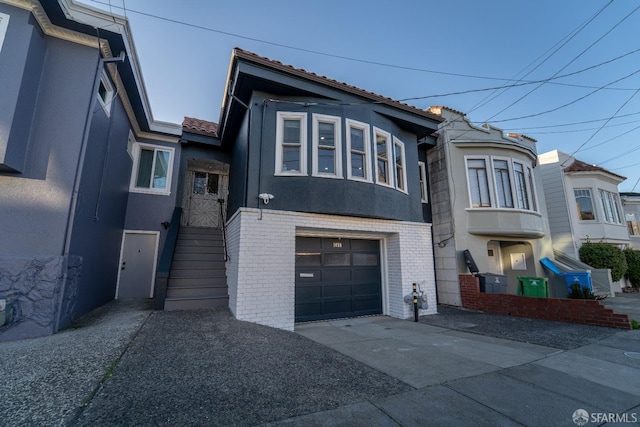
583	278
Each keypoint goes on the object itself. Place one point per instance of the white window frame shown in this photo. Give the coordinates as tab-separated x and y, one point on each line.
366	131
488	164
424	193
593	205
130	145
527	186
399	145
109	95
337	159
137	147
511	179
4	24
281	117
609	200
390	158
531	181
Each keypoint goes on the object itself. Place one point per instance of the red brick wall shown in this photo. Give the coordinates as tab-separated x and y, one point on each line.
589	312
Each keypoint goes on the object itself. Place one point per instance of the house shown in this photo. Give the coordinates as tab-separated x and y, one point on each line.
328	213
486	197
85	170
631	208
583	203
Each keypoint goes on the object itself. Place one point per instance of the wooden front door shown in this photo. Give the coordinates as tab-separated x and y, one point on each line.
205	192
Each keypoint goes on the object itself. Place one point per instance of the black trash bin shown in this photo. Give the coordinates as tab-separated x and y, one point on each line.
493	283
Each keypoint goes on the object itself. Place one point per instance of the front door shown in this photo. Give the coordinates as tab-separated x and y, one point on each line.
137	265
205	193
494	256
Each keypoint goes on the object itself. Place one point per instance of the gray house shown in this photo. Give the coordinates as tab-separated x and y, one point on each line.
82	165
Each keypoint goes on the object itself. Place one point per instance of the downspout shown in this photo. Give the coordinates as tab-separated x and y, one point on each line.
78	175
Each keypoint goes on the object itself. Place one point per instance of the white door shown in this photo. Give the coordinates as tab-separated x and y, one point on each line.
494	257
137	265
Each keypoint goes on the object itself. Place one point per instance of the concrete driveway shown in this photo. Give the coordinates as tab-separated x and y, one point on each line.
126	365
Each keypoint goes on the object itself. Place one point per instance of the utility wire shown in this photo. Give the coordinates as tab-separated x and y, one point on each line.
572	61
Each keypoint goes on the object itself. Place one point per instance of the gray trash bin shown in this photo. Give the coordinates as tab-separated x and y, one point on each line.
493	283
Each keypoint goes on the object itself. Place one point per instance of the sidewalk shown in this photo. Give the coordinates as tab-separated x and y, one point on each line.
126	365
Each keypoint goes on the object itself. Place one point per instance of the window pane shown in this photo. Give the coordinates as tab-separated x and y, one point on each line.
365	259
357	139
199	182
422	174
326	160
381	146
478	183
521	186
584	205
399	163
291	158
503	183
145	166
382	171
381	150
306	259
326	134
336	259
291	132
357	165
160	171
212	183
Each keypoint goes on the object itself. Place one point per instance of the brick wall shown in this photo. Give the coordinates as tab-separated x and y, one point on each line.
261	271
589	312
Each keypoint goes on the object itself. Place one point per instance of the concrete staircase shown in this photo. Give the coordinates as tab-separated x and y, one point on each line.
198	276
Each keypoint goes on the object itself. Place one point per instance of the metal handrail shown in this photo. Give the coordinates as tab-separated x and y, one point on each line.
224	229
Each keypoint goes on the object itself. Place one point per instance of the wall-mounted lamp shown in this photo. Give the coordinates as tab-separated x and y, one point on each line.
266	197
165	224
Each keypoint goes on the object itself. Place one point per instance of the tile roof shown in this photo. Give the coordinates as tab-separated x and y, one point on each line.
580	166
250	56
200	127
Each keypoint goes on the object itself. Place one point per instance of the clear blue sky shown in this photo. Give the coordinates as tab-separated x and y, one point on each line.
487	41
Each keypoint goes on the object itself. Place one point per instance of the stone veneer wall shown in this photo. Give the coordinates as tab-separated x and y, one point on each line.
33	290
261	269
588	312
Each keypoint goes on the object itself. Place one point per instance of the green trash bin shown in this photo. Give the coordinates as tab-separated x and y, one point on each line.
533	286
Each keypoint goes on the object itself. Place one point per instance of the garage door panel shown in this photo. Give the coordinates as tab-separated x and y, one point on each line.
336	276
346	284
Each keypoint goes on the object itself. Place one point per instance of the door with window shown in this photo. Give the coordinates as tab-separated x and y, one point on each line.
205	193
494	257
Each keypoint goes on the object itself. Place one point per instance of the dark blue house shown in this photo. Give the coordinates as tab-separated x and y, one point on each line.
328	208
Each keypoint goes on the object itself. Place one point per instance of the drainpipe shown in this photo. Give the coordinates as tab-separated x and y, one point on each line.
78	176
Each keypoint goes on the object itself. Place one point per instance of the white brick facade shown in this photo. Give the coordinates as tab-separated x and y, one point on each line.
261	269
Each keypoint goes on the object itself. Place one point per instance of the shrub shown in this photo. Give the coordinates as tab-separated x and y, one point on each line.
582	292
633	271
603	255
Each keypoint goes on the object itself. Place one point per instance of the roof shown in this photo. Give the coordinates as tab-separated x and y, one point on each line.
200	127
580	166
299	72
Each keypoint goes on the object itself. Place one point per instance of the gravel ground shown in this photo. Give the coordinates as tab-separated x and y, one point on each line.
560	335
201	374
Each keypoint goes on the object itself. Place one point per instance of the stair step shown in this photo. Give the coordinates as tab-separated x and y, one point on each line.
196	281
198	264
199	256
199	242
191	231
195	303
184	249
197	292
197	273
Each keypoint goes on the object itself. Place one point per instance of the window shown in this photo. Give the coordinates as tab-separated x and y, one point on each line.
401	171
503	183
478	183
610	207
532	189
152	169
105	93
383	154
584	204
4	24
291	144
522	193
327	146
205	183
358	151
422	170
632	224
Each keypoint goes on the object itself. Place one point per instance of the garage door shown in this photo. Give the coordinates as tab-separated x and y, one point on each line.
337	278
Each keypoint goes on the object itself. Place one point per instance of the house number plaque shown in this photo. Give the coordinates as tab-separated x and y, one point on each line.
337	244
